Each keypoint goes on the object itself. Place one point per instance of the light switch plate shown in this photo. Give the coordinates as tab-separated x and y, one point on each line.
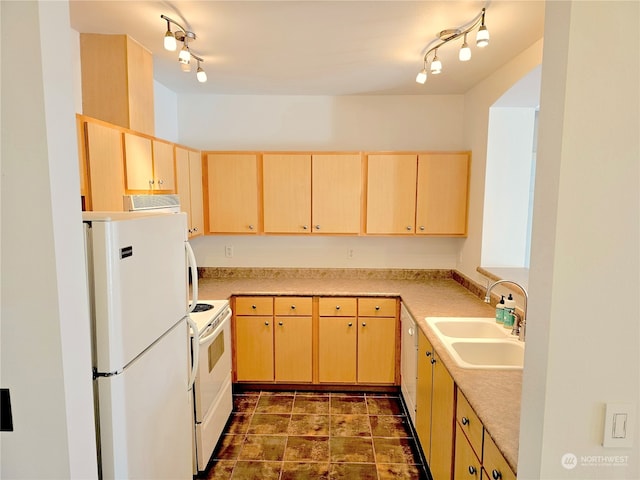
619	423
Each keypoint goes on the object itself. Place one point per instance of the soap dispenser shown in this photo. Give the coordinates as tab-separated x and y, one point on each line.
509	312
500	311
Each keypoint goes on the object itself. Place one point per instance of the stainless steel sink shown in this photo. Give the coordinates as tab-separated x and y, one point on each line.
479	343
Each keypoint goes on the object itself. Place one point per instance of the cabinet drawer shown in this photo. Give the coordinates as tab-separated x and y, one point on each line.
300	306
494	463
254	306
470	424
377	307
337	307
466	464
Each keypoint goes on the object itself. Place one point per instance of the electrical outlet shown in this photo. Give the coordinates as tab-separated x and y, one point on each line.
349	252
228	251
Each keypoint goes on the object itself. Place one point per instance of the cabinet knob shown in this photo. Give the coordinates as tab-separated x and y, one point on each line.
377	307
317	227
472	470
160	182
190	230
266	323
280	323
293	307
195	229
250	227
495	474
350	324
428	354
337	307
305	227
364	324
433	361
422	228
253	307
151	183
408	228
465	421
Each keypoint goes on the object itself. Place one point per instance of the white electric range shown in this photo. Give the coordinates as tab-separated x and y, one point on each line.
213	401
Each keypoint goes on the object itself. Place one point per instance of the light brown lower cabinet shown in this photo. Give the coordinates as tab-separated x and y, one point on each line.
476	454
316	340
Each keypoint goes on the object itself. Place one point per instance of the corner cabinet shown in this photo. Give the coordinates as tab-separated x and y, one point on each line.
231	193
316	340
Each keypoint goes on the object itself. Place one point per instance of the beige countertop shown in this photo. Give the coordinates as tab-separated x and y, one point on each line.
493	394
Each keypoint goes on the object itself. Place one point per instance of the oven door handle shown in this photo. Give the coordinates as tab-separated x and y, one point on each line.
209	337
195	353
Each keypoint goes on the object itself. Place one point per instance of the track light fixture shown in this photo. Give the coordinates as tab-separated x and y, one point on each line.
446	36
185	55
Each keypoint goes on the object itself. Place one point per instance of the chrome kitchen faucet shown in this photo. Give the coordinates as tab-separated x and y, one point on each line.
519	327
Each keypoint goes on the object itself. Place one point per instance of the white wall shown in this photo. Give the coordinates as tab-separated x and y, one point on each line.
507	183
358	123
45	342
165	111
477	103
584	325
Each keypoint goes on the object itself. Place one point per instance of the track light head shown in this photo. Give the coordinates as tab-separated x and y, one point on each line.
183	35
465	52
169	39
436	64
422	76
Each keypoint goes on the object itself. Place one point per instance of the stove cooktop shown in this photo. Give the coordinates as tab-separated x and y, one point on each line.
207	311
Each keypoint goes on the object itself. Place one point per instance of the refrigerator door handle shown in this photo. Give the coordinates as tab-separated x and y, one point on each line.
194	276
195	342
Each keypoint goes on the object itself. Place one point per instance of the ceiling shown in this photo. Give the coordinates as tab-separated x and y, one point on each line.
318	47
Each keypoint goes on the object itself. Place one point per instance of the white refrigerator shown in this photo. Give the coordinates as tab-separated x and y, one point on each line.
137	275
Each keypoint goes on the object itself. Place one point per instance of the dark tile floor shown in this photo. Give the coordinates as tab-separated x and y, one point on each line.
304	435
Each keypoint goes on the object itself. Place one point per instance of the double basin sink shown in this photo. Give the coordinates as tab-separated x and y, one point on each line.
479	343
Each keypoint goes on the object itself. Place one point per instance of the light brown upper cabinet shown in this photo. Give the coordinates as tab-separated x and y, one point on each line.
232	192
149	164
423	194
286	180
443	182
189	188
117	81
105	167
391	193
336	193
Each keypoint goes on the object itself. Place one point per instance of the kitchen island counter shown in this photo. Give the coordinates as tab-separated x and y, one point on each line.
493	394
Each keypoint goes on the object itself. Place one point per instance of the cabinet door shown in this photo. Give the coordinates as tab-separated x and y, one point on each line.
494	463
195	184
442	421
183	188
391	194
376	350
337	350
105	167
293	351
424	390
254	348
336	193
138	160
232	198
286	193
443	183
163	166
467	466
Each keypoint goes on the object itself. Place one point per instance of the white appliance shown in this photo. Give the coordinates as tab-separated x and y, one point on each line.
213	400
409	361
137	274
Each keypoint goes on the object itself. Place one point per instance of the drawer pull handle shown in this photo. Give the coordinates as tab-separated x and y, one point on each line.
496	474
465	421
253	307
337	307
266	323
377	307
472	470
293	307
